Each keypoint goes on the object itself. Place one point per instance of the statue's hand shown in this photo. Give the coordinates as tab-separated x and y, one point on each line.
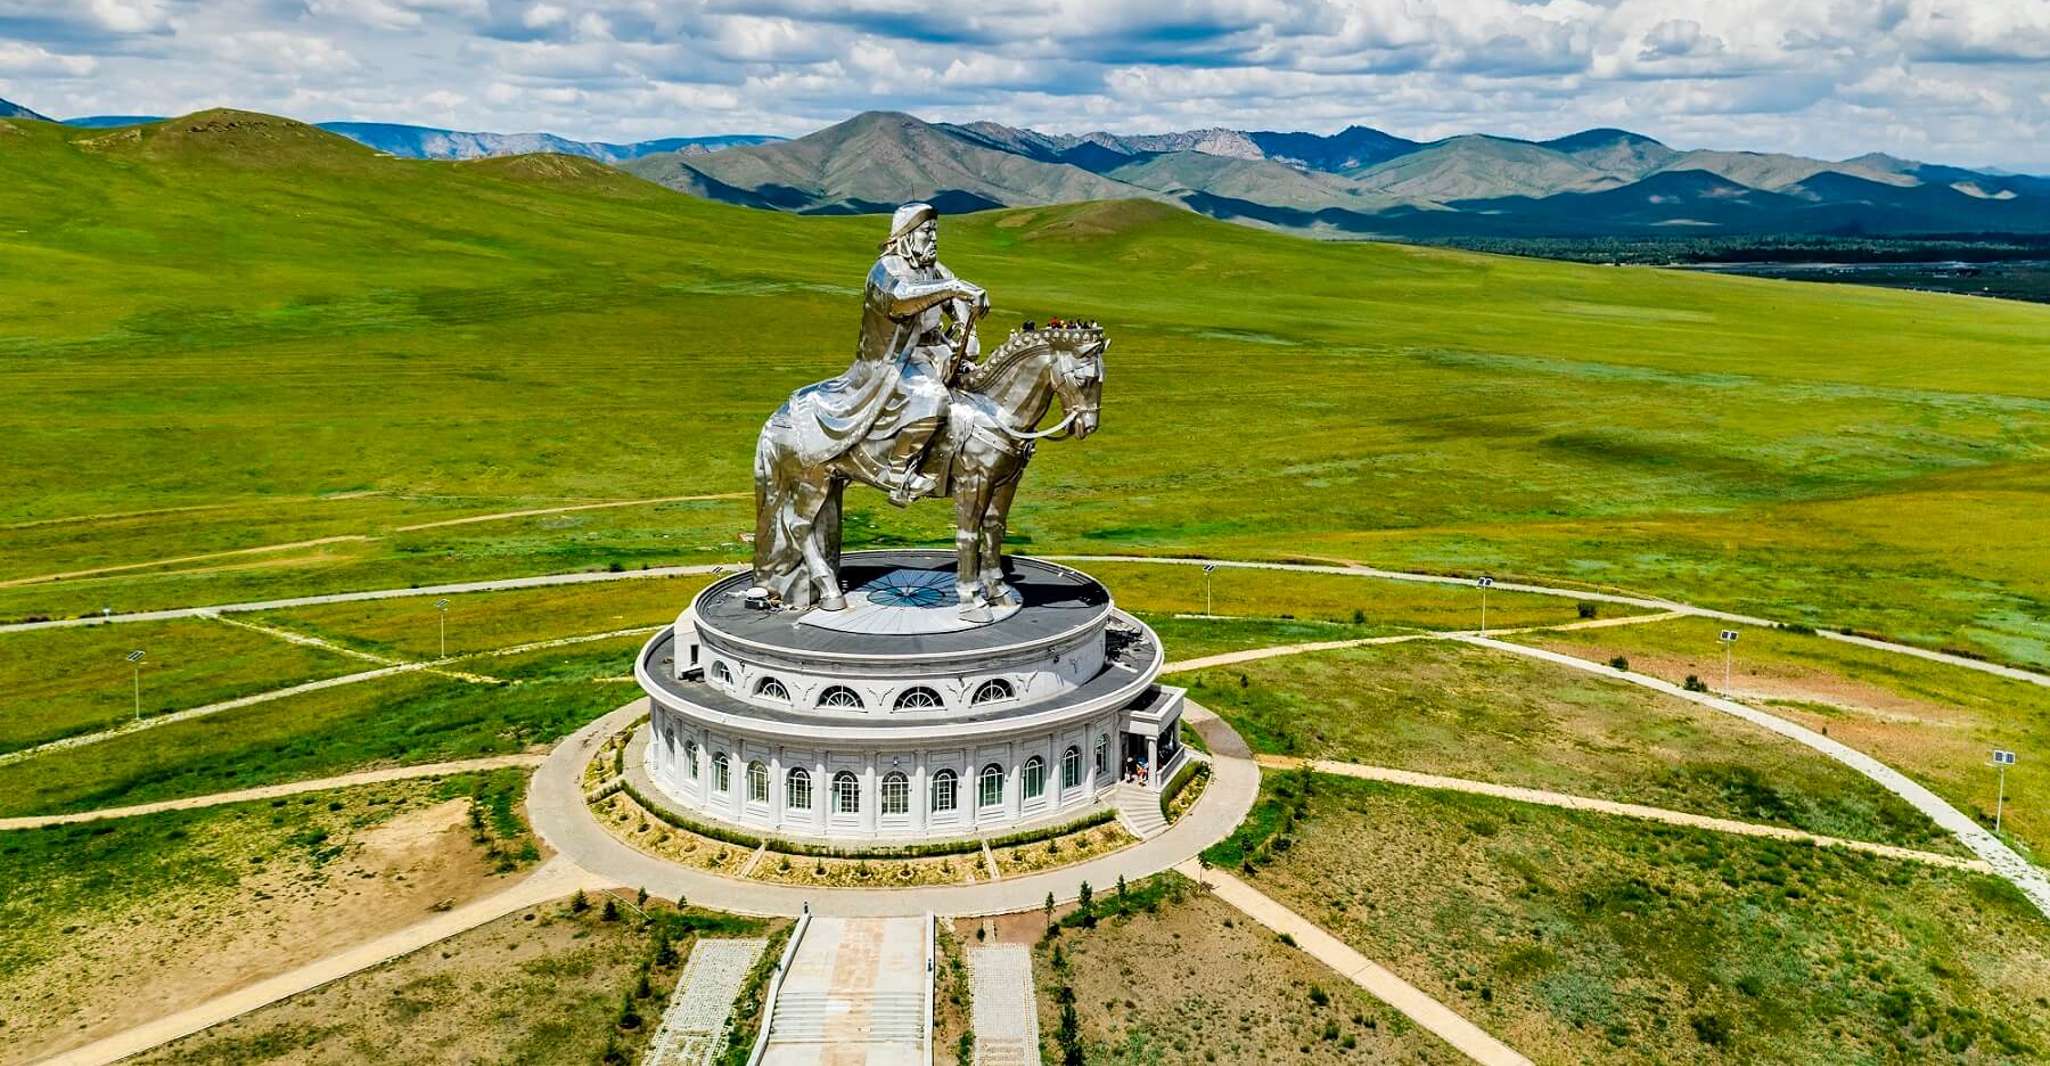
977	297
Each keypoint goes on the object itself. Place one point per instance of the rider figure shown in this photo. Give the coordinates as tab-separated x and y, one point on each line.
910	296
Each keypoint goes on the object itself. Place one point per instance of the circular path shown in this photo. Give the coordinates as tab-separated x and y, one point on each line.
556	807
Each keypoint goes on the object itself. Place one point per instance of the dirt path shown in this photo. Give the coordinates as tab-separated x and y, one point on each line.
342	538
552	880
292	788
1415	1004
1231	658
1626	810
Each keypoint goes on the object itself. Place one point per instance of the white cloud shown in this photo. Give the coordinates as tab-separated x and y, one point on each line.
1955	80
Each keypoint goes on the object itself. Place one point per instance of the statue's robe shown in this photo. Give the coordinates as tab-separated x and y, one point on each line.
898	360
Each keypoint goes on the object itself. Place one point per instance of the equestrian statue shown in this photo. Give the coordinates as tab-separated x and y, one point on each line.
920	413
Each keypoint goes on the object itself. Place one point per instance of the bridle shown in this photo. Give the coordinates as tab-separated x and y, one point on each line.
1068	379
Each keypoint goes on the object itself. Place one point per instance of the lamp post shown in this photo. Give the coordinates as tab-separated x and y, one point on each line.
1208	569
135	660
1729	643
442	606
1484	583
2001	760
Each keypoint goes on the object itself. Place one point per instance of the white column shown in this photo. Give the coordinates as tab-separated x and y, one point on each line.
1152	761
921	795
776	786
821	795
871	794
1014	787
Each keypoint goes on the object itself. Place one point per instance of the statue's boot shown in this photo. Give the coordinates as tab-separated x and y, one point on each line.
906	452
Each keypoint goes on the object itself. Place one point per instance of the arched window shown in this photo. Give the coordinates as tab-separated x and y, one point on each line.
797	789
1035	777
896	793
722	773
1102	754
769	688
842	697
918	698
722	673
846	793
757	782
946	788
1071	767
990	786
992	690
690	758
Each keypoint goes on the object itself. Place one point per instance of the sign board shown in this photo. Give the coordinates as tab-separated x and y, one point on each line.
1209	568
136	657
443	604
2003	758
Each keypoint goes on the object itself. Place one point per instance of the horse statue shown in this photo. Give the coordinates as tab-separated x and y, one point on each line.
979	454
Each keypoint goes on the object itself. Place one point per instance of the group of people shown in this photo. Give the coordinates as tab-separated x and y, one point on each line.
1135	771
1063	323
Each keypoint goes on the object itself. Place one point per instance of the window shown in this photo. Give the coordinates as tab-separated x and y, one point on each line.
1071	768
918	698
946	788
840	696
690	758
757	782
797	789
769	688
846	793
722	673
1035	777
896	793
992	690
990	787
722	773
1102	754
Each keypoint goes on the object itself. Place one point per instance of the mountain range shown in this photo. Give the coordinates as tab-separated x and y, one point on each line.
1363	182
429	142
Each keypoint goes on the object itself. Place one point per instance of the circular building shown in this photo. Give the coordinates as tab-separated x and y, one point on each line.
894	719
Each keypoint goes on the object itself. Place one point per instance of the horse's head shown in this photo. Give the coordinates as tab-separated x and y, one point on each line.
1078	378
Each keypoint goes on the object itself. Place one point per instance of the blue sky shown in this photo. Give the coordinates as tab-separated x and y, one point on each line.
1959	81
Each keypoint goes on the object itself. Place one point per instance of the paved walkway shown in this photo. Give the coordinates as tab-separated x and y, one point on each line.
1626	810
855	995
694	1025
290	788
556	808
1004	1006
2002	859
552	880
1448	1025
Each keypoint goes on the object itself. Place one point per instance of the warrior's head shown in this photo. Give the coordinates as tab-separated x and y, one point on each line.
915	235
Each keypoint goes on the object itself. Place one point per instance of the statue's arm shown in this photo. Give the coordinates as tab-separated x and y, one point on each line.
907	297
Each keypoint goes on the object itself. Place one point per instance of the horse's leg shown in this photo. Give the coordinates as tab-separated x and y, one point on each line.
809	500
971	501
995	517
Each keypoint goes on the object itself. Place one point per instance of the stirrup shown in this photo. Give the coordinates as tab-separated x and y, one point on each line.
913	486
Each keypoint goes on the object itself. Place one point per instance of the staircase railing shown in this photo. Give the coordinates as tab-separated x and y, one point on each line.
754	1057
931	975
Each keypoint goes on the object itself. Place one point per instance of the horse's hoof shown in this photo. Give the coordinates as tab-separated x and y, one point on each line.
833	603
1006	596
976	613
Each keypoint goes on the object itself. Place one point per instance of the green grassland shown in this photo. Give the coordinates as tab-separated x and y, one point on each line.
407	718
543	987
1936	722
100	915
1390	605
488	621
250	317
1578	938
59	682
1460	711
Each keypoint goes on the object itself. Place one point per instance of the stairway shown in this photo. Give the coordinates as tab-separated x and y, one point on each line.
855	995
1139	809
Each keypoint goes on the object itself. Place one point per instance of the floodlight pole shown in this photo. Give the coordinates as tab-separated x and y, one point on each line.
1729	641
2000	804
1483	583
1208	569
442	606
138	688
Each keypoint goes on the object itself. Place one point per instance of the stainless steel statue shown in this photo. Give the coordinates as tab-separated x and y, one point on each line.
920	413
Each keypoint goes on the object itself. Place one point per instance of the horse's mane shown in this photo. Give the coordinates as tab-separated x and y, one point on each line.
1016	347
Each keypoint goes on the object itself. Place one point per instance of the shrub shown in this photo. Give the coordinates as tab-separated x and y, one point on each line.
1620	663
1695	684
1319	997
1586	608
1711	1029
579	903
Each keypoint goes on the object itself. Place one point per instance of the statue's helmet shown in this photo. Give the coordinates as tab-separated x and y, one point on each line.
907	218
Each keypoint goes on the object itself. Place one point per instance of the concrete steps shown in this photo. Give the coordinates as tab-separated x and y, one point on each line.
855	994
1139	810
816	1017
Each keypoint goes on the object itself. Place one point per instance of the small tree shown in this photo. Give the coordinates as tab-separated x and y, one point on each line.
579	903
641	898
611	911
1202	870
1122	899
1085	905
1048	908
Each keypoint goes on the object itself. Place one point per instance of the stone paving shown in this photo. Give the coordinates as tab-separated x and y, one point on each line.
694	1024
855	995
1006	1013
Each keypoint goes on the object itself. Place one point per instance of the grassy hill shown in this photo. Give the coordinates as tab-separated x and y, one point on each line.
230	331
